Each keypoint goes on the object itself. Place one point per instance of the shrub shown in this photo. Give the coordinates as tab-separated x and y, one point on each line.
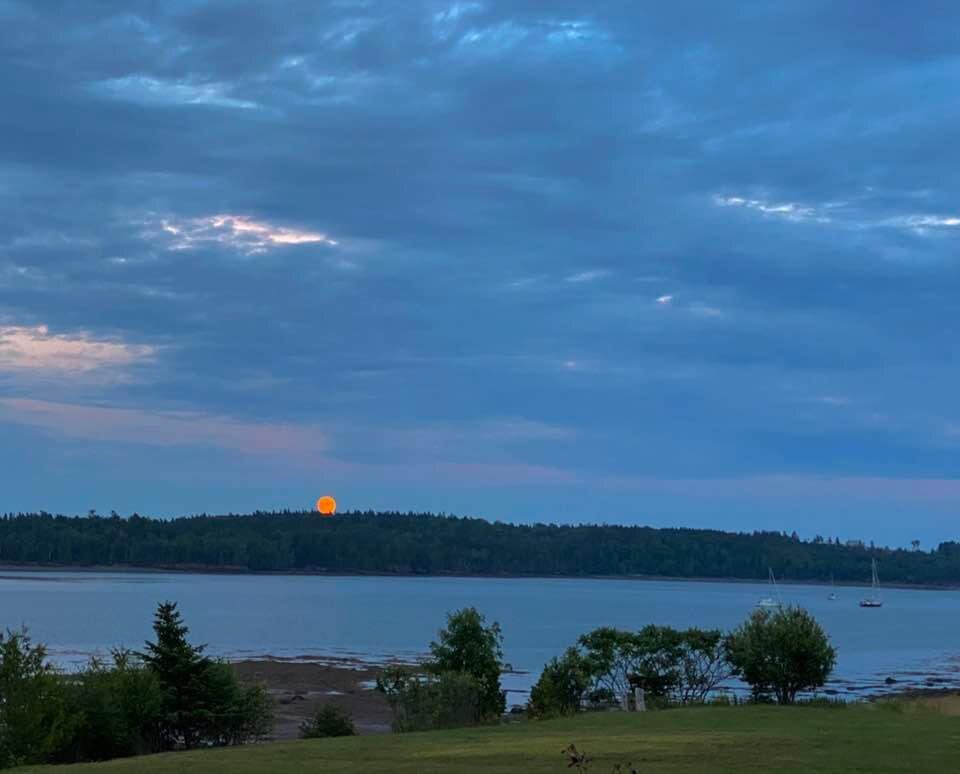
467	645
561	687
422	702
34	720
781	653
234	713
329	720
118	711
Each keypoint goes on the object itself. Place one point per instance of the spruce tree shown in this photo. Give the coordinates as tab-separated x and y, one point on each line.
182	670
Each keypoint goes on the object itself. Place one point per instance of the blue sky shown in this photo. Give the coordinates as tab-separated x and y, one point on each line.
669	263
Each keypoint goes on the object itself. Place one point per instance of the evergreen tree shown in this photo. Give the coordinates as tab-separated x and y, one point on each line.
181	669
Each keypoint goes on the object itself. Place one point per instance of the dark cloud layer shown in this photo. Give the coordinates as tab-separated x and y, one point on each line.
696	262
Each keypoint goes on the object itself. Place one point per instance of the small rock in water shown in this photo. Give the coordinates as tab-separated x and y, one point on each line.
889	681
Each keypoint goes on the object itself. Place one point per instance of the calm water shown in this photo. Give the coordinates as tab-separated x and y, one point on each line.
913	637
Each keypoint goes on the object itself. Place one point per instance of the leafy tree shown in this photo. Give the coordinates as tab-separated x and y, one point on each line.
618	660
669	664
657	666
469	646
781	653
329	720
703	664
421	702
609	657
33	717
561	686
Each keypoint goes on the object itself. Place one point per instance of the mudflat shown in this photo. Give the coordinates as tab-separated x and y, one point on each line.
300	686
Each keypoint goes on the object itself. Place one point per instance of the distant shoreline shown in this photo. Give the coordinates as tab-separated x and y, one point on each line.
218	570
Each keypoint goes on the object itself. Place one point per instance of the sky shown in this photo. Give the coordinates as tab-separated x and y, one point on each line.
678	264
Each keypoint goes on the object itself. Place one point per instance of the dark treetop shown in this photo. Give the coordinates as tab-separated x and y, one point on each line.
404	543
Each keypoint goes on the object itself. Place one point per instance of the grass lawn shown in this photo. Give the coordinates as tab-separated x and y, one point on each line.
867	738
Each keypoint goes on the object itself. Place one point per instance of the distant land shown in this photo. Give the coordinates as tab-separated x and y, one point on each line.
429	544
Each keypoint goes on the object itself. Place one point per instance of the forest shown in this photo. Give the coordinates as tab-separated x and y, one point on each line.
429	544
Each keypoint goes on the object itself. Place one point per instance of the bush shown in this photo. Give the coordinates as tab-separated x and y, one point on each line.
422	702
467	645
561	687
118	711
34	721
781	653
329	720
235	713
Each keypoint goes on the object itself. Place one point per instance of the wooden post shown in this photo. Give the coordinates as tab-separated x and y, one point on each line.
640	704
625	700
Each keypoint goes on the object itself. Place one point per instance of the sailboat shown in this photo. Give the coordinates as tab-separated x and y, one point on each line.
874	599
833	591
773	599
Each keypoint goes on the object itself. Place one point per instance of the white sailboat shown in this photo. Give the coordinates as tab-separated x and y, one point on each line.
833	590
874	599
773	599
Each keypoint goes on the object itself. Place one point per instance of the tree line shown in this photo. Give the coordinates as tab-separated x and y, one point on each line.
423	543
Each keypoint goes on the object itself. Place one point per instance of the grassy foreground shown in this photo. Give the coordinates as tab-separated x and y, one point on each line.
865	738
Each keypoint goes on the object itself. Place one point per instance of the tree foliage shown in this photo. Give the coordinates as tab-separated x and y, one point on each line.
34	721
423	543
421	702
202	702
329	720
469	646
681	666
781	653
117	706
561	686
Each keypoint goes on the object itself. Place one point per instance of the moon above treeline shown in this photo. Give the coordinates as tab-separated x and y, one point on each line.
326	506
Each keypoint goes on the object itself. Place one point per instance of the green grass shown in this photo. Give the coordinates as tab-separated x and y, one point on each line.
864	738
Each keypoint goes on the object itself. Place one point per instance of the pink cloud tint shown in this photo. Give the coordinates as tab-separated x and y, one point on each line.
238	231
796	487
37	349
162	428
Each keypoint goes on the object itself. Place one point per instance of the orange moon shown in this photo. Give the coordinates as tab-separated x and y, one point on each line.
327	506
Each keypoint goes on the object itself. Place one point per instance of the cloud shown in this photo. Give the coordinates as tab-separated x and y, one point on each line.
240	232
162	428
26	349
785	210
157	91
704	310
588	276
792	196
925	224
